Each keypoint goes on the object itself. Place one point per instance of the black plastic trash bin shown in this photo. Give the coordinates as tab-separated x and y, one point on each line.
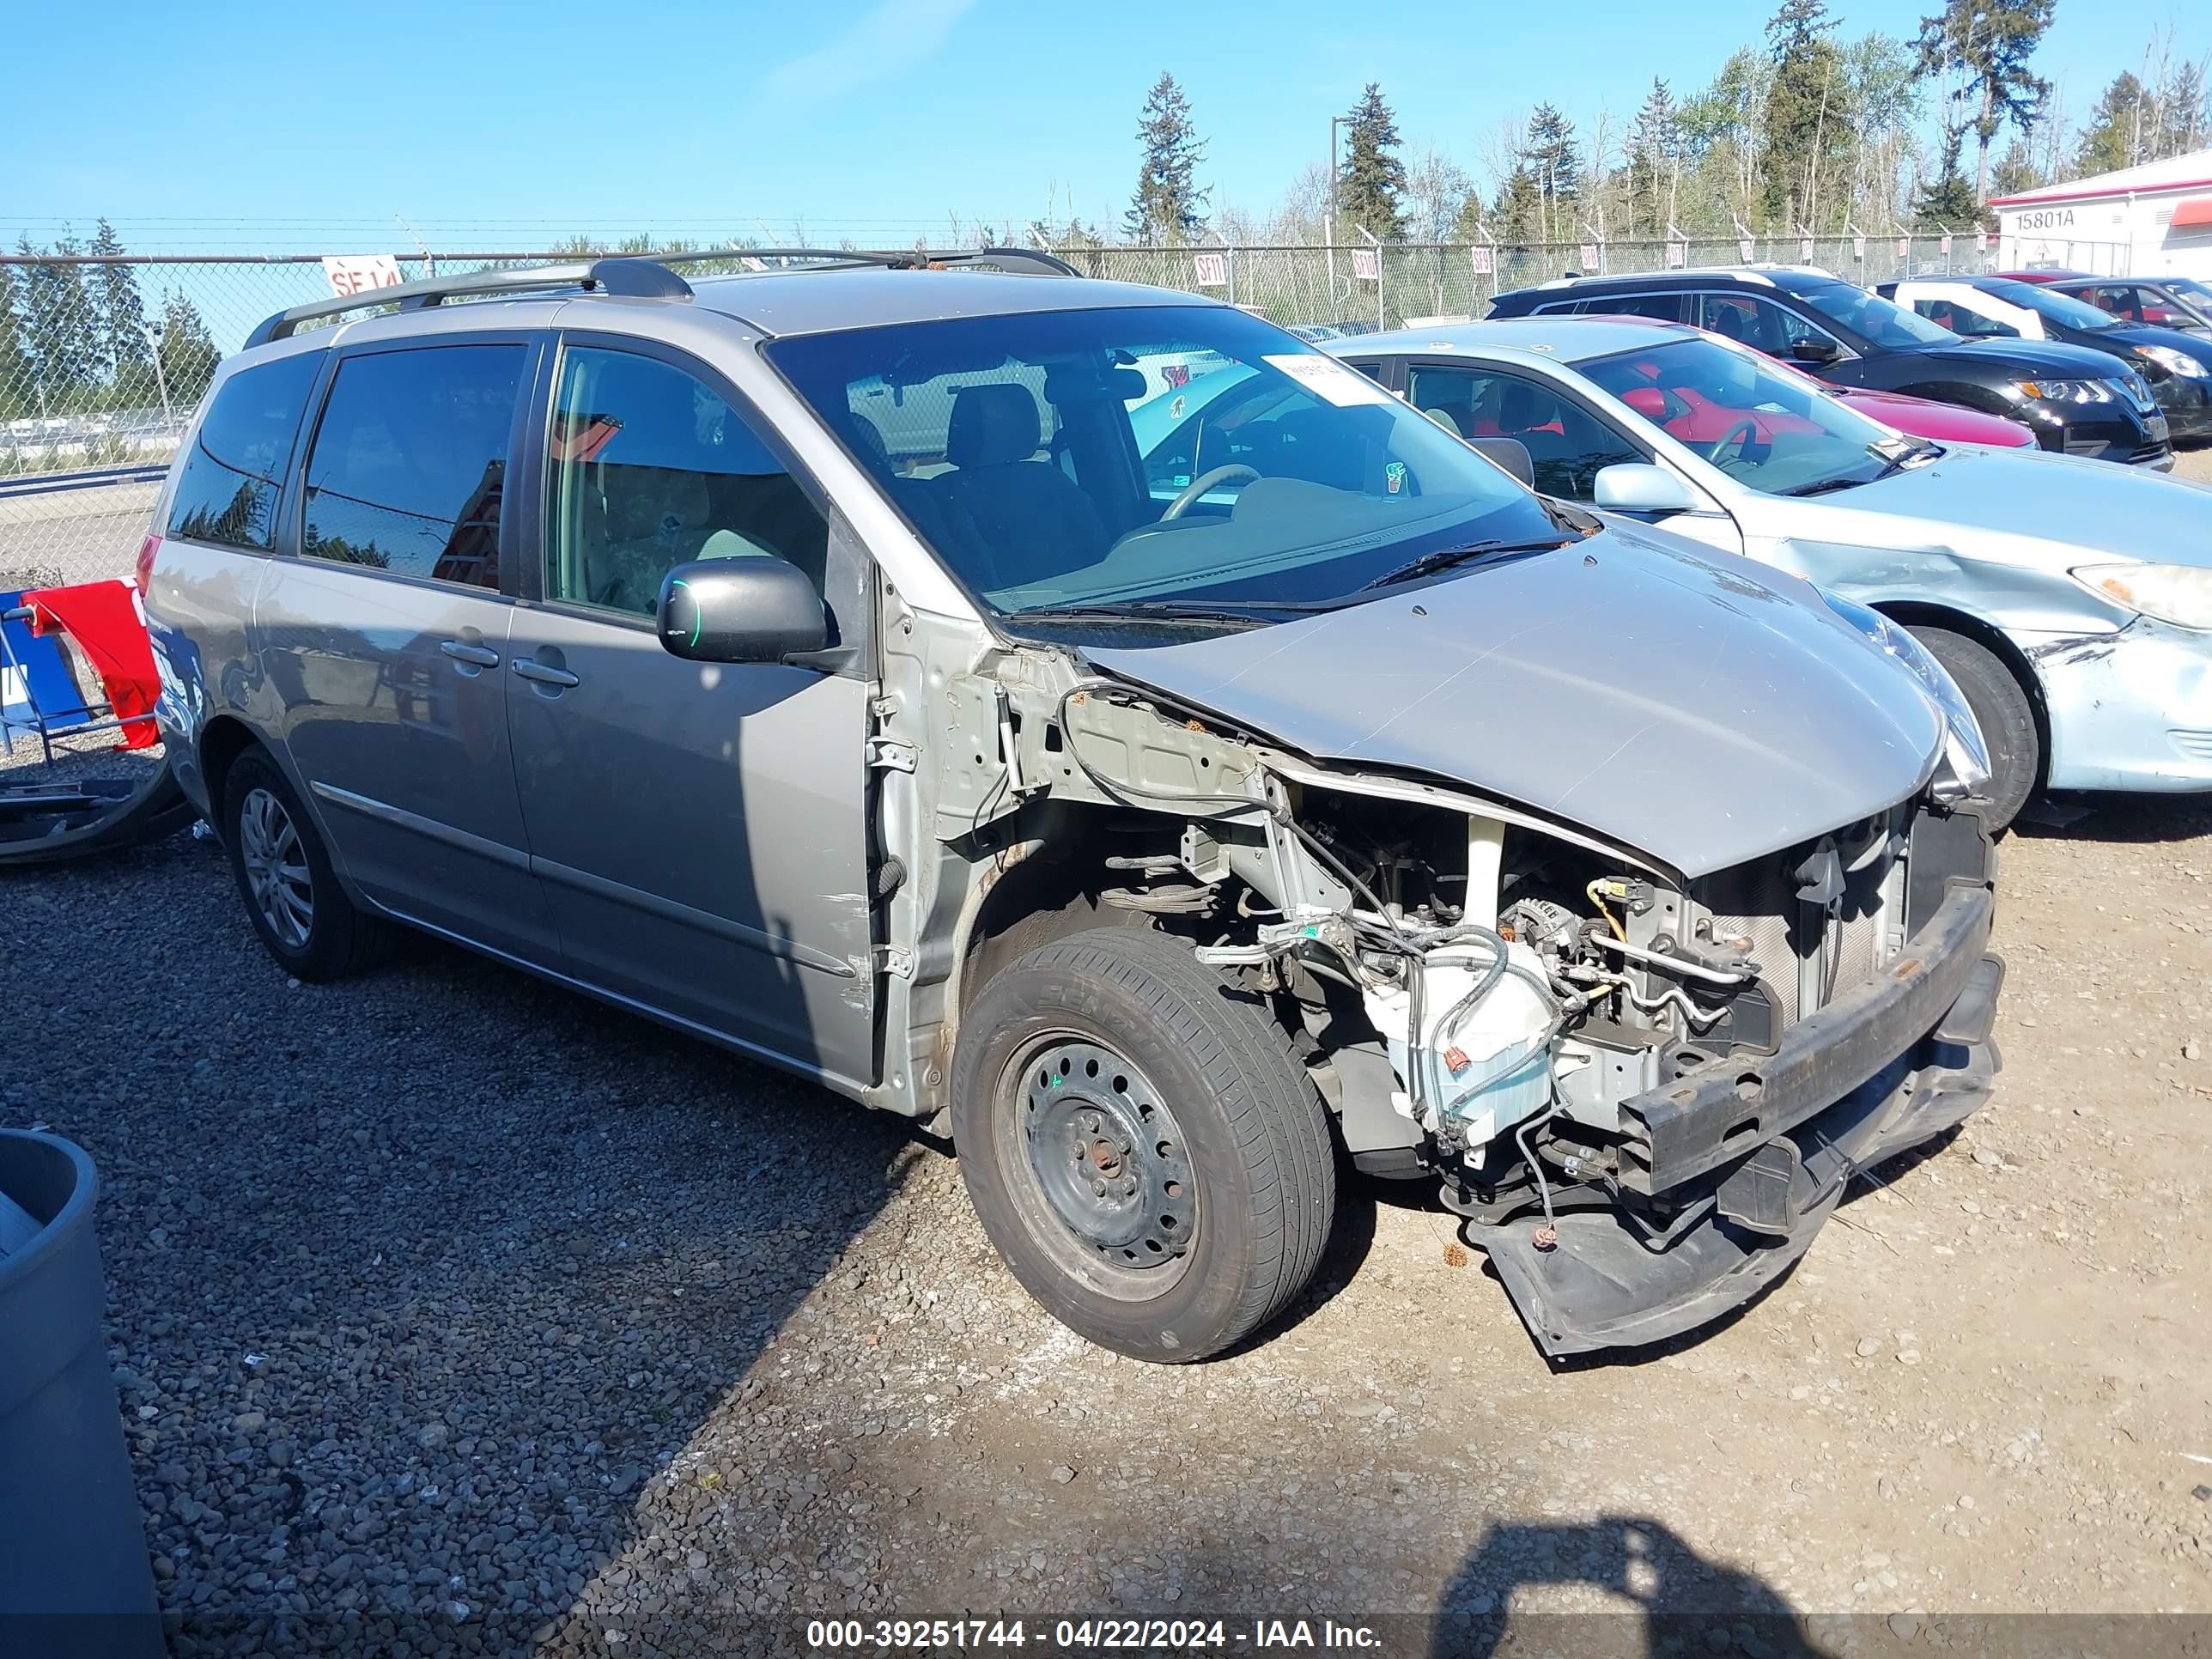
74	1576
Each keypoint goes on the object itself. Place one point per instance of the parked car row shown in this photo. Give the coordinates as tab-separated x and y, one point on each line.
2077	401
1171	759
2177	366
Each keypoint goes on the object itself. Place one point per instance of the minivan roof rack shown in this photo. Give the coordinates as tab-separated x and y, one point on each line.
644	279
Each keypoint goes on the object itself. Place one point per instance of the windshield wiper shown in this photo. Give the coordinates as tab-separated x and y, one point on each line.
1444	558
1251	613
1894	456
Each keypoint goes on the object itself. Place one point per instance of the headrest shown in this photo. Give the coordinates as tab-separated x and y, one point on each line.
994	425
872	446
1523	406
654	501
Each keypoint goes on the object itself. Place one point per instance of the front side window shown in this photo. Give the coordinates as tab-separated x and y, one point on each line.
1101	457
1871	317
1767	427
409	462
228	488
2052	307
2122	300
1567	445
651	468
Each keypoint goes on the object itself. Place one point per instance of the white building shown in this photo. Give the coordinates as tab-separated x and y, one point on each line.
2148	221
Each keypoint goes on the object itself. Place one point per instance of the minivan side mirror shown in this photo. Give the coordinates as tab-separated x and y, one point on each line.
1641	486
1815	351
754	609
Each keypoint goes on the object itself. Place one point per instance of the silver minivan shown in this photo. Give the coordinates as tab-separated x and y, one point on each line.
864	665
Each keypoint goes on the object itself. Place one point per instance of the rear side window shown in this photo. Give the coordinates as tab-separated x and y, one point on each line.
1661	307
409	462
227	490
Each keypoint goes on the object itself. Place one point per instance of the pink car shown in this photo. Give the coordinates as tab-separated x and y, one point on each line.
1945	422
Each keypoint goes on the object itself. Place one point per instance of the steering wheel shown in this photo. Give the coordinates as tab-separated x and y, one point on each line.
1736	446
1197	487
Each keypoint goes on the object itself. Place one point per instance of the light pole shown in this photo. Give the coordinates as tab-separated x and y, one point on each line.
152	332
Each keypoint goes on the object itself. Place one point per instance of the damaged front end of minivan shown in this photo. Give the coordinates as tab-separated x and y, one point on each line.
1642	1069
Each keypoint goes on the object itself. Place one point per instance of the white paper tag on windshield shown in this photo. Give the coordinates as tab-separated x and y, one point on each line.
1327	379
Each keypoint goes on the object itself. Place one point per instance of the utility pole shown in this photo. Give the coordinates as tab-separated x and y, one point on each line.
1328	228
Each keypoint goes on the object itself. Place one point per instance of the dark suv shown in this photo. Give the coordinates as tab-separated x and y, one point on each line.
2077	401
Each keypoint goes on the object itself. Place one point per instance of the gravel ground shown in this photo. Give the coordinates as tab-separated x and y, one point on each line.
452	1313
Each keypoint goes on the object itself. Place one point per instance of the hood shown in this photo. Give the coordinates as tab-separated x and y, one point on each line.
2139	335
1923	418
2027	496
2033	357
1683	702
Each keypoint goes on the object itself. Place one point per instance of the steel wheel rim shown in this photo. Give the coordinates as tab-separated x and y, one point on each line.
1097	1164
275	858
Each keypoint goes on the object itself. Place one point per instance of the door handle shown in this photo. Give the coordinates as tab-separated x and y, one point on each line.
544	673
476	656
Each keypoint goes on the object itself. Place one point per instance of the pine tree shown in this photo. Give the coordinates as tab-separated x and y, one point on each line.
187	349
1168	204
2117	127
1518	215
1372	188
1654	156
1554	160
59	329
1986	45
123	320
2185	108
1948	201
1806	133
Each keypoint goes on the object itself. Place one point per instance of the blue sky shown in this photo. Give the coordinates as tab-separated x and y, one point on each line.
219	125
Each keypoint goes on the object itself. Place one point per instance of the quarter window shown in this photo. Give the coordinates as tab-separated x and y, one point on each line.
651	468
227	490
1962	318
1660	307
409	462
1567	445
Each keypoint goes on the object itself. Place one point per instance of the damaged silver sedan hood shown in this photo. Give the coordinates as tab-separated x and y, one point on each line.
1695	706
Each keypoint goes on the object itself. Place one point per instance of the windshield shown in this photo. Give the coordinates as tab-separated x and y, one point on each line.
1115	456
1767	427
2188	287
1874	318
2050	304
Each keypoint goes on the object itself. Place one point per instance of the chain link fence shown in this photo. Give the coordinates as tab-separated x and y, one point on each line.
1388	287
102	360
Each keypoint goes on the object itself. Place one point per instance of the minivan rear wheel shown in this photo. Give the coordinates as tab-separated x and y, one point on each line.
1147	1155
2005	715
283	872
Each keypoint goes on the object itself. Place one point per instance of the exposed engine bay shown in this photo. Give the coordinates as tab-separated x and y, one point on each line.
1547	1026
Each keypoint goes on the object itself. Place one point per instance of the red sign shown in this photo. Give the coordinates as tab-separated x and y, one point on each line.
360	273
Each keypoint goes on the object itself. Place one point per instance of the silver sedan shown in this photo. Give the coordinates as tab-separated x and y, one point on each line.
2071	601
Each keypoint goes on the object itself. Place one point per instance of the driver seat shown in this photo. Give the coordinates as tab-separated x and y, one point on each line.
1531	416
1033	521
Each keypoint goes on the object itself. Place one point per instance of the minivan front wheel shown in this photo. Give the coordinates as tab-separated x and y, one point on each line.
283	872
1144	1150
